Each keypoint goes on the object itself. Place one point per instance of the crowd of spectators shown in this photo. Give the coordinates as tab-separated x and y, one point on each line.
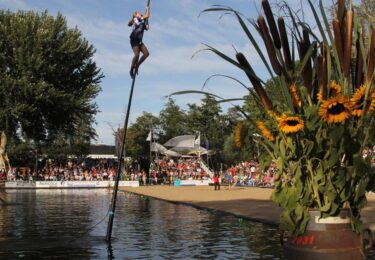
166	170
248	173
370	153
162	171
69	171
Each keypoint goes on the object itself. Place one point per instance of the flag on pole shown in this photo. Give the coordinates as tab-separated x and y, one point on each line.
149	136
197	140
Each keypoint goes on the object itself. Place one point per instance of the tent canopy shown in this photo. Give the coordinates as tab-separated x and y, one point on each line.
181	141
192	150
181	146
158	148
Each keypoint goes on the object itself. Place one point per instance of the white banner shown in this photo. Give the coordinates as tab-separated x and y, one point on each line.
195	182
67	184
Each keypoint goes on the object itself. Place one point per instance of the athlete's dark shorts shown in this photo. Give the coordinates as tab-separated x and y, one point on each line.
135	42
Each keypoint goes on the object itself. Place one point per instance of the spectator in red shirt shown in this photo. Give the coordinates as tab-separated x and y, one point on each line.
216	181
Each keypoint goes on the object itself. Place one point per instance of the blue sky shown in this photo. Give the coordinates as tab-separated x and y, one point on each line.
176	33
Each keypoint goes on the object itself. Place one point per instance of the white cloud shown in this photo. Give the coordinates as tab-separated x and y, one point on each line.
14	4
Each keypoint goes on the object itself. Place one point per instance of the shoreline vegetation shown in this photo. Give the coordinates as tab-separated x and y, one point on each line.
249	203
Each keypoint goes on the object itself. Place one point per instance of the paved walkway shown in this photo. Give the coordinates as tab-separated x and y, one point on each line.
249	203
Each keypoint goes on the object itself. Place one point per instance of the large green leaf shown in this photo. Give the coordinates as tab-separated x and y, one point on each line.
306	58
245	29
230	60
185	92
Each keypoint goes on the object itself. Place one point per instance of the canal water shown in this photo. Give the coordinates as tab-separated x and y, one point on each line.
71	224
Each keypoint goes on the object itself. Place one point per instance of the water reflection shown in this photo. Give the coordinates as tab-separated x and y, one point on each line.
56	224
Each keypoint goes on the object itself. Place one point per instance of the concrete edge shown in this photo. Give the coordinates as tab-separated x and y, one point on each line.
191	204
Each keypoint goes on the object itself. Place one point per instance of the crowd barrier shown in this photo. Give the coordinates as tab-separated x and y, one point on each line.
66	184
178	183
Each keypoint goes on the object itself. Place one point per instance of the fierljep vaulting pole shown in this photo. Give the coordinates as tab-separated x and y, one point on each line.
118	173
148	5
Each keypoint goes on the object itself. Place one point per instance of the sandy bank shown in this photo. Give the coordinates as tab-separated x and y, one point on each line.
250	203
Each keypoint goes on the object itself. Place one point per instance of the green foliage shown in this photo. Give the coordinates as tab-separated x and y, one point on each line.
48	79
173	121
313	128
207	118
366	13
137	145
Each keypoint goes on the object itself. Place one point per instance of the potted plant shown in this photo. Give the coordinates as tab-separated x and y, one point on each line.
318	133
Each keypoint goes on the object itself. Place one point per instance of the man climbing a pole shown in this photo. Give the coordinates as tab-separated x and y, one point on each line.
139	24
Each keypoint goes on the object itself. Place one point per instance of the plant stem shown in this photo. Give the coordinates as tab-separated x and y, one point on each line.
315	190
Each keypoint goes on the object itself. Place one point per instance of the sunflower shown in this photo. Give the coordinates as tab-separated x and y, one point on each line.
237	135
357	102
319	96
272	114
372	102
294	94
290	124
335	109
336	88
264	130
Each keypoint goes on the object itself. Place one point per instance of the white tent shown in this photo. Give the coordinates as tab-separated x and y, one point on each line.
186	141
187	145
190	150
158	148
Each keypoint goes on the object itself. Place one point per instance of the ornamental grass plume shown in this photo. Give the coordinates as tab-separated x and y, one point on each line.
325	114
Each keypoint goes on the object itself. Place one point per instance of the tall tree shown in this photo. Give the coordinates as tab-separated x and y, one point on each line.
172	121
366	12
137	146
48	79
208	119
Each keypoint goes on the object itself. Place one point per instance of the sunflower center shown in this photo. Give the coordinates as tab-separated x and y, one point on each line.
292	122
336	109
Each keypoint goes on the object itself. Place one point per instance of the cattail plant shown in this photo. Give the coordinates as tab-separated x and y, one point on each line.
338	41
271	23
371	59
269	45
307	71
348	41
285	44
266	102
359	63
